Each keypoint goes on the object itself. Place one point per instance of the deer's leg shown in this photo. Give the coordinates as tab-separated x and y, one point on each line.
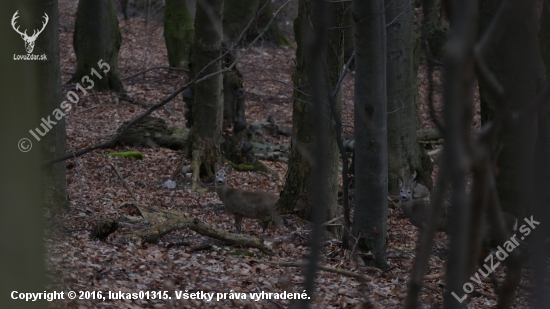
238	221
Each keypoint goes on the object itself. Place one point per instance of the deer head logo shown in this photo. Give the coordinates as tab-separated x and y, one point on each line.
29	40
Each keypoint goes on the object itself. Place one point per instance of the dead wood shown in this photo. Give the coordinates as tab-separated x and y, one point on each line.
176	221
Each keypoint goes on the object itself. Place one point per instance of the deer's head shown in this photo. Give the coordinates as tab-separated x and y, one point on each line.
221	174
29	40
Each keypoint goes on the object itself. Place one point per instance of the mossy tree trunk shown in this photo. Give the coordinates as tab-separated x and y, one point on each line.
296	194
205	135
404	152
370	122
178	32
236	15
97	37
21	174
236	145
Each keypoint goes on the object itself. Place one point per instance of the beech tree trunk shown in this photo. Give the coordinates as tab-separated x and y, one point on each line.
404	153
21	174
371	165
178	32
97	37
205	135
53	144
297	193
236	15
539	208
522	80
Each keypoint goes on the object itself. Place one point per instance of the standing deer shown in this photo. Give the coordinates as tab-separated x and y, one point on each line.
241	203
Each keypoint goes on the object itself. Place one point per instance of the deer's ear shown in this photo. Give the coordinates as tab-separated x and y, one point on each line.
229	168
413	185
216	166
400	182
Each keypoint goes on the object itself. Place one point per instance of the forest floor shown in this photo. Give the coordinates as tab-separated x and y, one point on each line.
77	263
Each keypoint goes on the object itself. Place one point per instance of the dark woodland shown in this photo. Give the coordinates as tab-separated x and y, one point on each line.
275	154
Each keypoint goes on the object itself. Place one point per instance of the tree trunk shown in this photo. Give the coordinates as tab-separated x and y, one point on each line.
53	144
208	106
404	153
97	38
178	32
297	193
21	174
522	80
542	176
273	33
349	41
437	34
236	15
371	165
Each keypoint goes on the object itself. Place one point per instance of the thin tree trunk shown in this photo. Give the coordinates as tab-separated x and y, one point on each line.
205	134
371	165
55	141
405	156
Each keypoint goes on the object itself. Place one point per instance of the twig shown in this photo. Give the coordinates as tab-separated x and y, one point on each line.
128	99
154	68
87	109
124	183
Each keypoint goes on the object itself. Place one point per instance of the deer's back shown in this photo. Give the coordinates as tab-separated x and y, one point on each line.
258	204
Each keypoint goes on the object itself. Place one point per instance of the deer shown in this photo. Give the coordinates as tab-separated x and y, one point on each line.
414	200
29	40
248	204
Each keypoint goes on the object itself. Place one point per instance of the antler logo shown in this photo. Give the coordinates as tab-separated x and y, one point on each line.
29	40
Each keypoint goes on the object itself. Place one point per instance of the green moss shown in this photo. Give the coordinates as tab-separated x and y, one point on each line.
284	41
128	155
257	166
181	132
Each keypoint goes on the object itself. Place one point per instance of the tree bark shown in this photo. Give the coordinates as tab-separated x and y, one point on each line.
371	165
236	15
21	174
97	37
349	40
405	156
297	193
55	141
208	107
178	32
541	188
522	80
